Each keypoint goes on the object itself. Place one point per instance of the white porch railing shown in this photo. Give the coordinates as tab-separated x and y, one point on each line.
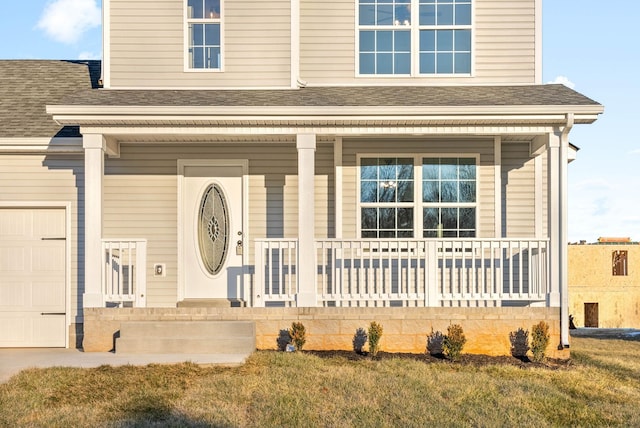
124	276
410	272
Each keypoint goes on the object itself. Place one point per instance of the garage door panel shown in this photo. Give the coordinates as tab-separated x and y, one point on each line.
13	223
47	296
13	295
14	258
48	223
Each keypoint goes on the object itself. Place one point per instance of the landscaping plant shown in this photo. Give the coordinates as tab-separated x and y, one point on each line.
298	335
519	342
539	340
359	340
435	342
375	333
454	342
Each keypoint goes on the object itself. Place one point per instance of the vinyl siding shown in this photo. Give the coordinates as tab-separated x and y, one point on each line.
483	148
60	178
504	44
518	190
141	199
147	45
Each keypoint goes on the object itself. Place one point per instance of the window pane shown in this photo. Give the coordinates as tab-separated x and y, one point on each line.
387	191
427	41
198	57
387	234
369	218
467	218
384	41
463	14
402	64
387	218
198	35
367	63
195	9
368	168
430	218
467	191
384	64
368	191
430	169
367	41
448	168
403	14
213	57
369	234
405	191
212	34
431	191
463	63
449	218
445	40
405	168
449	191
405	218
385	15
367	15
427	63
467	168
402	41
462	40
387	169
212	9
427	15
445	14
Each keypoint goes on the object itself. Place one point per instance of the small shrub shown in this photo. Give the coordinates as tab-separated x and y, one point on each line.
375	333
298	335
284	339
435	341
519	343
359	339
539	340
454	342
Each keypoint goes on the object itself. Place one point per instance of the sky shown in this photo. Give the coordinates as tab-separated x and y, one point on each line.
588	45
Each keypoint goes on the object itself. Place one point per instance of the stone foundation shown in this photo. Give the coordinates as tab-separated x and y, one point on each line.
405	329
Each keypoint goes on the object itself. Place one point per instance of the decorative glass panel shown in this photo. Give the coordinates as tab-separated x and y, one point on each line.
213	229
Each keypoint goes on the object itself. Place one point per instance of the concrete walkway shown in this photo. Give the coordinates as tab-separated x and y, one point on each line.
13	360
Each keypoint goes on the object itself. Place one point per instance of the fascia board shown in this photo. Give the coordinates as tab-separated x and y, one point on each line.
41	145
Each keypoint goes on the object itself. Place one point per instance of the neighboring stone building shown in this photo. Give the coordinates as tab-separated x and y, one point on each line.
604	283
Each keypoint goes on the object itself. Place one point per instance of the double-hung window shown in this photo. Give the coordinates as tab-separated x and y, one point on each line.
414	37
418	196
203	40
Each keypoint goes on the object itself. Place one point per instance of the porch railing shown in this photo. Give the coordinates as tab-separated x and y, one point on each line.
410	272
124	276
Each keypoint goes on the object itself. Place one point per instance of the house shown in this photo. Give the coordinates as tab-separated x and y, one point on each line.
332	162
604	283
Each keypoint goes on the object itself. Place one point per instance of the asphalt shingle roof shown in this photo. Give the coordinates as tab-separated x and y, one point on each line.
27	86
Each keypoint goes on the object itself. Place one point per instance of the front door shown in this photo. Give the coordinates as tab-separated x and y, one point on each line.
212	233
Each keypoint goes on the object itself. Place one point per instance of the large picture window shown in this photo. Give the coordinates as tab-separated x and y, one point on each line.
410	197
204	44
441	31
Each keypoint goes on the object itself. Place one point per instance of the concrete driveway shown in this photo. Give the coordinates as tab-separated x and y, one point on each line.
13	360
607	333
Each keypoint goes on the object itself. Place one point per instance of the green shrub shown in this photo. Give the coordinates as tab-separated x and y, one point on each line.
539	340
359	340
435	341
298	335
519	342
375	333
454	342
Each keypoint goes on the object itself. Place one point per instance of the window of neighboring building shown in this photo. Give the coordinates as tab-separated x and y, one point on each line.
393	42
407	197
204	46
619	263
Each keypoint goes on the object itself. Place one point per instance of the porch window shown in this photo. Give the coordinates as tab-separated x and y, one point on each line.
409	197
203	39
393	41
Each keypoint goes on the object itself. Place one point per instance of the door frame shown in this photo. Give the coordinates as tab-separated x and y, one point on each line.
182	164
66	205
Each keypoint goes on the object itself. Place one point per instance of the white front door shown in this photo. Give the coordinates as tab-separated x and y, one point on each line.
212	232
32	277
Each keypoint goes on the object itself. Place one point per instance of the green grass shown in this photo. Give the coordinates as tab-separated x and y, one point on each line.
599	388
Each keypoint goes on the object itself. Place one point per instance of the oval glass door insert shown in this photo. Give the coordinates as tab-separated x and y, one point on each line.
213	229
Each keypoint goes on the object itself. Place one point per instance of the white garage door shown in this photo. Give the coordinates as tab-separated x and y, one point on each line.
32	277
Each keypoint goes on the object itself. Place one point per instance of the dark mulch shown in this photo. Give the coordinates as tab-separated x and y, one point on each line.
476	360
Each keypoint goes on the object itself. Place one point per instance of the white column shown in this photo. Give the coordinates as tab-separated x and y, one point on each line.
554	217
307	294
497	178
563	251
337	163
94	149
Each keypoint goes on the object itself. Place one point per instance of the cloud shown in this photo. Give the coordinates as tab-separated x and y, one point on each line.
89	55
634	152
65	21
564	80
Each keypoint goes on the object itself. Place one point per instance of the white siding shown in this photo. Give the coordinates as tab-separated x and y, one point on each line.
518	190
40	178
147	45
504	49
484	148
141	199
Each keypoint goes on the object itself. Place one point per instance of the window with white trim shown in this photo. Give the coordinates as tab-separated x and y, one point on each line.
418	196
204	43
391	41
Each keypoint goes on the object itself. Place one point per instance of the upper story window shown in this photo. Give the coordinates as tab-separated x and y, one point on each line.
619	263
411	197
414	37
204	45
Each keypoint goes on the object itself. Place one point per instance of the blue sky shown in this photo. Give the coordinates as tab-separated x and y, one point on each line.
587	43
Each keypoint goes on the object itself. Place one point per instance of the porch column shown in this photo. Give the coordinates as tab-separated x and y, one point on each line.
94	150
306	145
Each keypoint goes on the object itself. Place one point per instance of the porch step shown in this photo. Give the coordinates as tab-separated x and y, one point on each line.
210	303
186	337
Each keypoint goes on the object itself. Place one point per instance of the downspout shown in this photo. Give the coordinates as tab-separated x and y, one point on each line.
564	240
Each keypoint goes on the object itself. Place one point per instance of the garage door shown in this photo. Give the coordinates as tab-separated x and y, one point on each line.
32	277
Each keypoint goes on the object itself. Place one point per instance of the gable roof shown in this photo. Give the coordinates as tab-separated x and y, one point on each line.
27	86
